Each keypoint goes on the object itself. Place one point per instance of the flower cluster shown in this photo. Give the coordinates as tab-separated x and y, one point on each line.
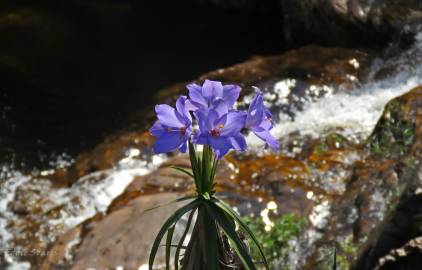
219	124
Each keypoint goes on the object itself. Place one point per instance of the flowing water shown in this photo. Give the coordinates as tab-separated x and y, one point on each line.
352	114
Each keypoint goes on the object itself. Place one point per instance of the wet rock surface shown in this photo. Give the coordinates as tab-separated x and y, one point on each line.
107	244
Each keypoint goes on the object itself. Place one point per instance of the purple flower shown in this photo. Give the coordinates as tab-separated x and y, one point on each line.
173	127
259	121
202	97
220	128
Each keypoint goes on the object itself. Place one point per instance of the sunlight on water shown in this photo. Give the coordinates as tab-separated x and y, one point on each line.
353	114
11	181
93	194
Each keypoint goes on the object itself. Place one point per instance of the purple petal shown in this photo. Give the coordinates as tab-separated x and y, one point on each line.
255	111
182	110
235	122
220	145
206	119
183	147
201	118
168	142
268	122
196	97
220	106
238	142
190	106
265	124
231	94
257	102
168	116
220	122
258	129
254	118
269	139
157	129
212	90
200	138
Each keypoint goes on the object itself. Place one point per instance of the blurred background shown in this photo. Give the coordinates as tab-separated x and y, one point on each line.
72	71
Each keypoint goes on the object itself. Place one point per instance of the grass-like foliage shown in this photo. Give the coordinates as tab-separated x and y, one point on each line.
215	242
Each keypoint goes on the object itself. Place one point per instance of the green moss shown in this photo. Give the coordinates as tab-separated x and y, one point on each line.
320	149
331	141
348	250
393	135
275	242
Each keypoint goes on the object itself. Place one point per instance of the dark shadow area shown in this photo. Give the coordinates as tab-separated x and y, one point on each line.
72	71
404	225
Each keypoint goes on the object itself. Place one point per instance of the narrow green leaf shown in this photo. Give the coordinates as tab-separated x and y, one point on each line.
229	230
207	168
196	168
243	225
182	240
192	154
213	171
168	245
335	259
204	169
173	219
211	241
183	170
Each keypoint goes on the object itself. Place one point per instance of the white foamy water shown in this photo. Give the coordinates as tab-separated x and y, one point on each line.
353	114
90	195
7	193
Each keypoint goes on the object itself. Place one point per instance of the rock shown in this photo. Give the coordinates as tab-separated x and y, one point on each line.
364	222
122	238
106	155
406	257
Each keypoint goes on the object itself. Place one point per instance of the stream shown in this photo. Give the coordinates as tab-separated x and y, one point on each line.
352	114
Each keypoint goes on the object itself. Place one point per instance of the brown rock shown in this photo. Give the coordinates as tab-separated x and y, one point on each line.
122	238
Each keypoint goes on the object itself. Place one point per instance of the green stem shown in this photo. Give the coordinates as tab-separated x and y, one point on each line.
207	169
